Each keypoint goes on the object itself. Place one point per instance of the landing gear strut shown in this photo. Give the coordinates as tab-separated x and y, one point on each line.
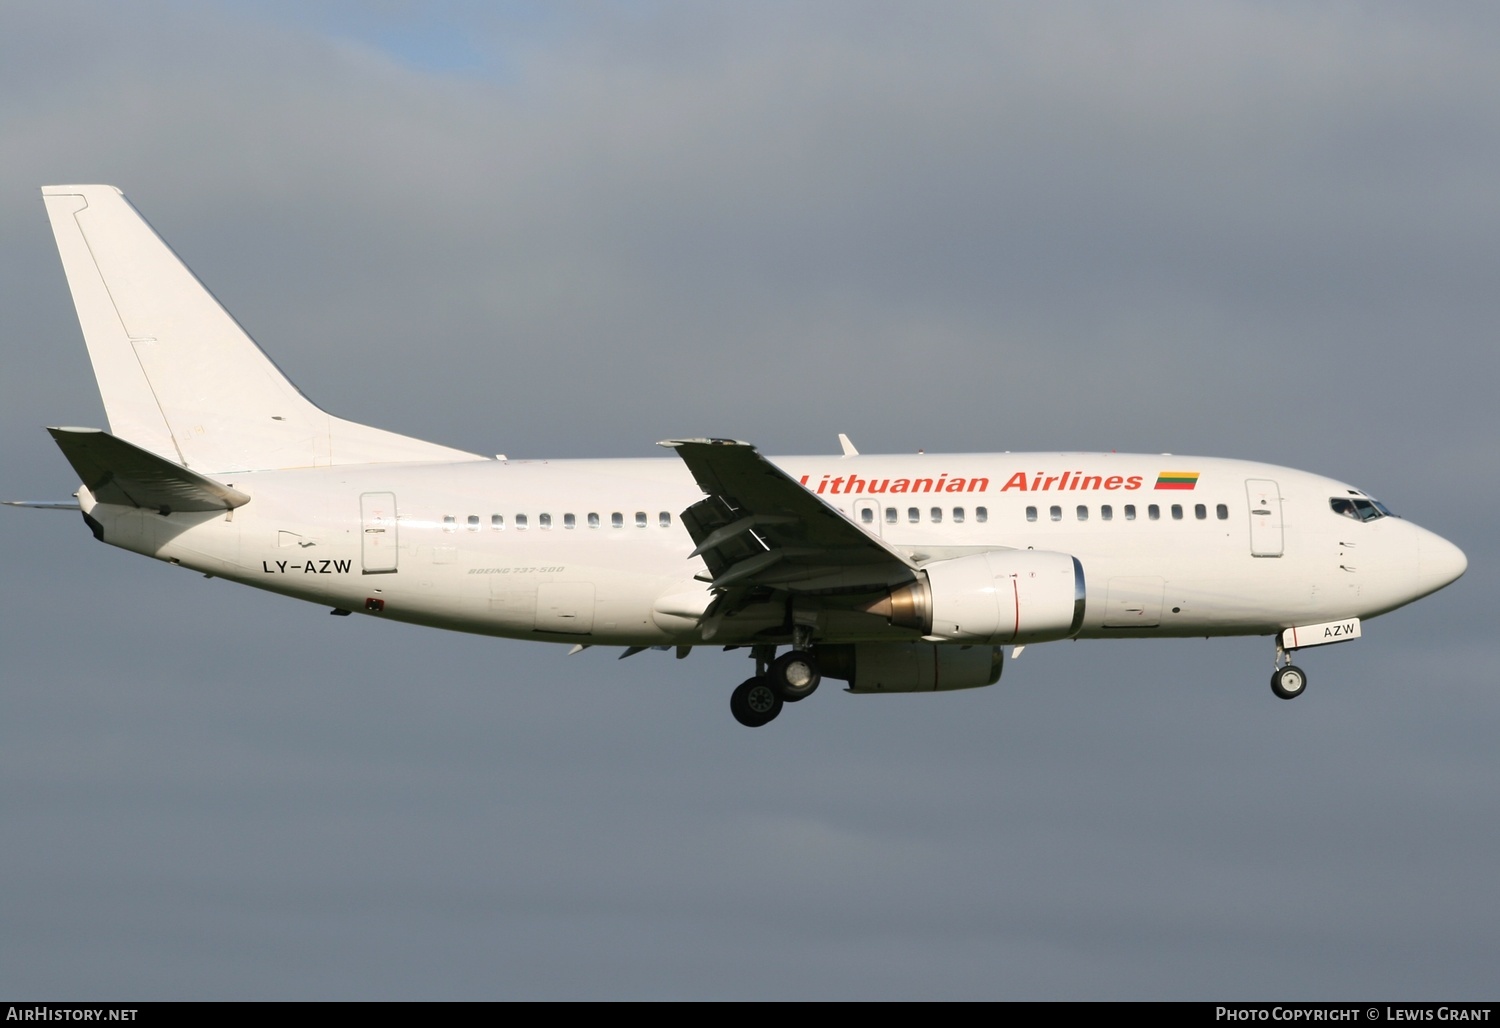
1288	681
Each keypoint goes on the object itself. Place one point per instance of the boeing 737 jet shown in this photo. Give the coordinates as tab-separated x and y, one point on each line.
889	573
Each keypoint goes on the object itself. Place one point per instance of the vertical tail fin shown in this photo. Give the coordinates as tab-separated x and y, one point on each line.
178	374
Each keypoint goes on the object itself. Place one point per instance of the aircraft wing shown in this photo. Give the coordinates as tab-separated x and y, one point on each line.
759	527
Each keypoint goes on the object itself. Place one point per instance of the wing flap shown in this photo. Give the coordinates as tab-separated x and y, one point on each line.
115	471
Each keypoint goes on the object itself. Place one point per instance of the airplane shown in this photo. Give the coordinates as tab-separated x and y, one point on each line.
893	574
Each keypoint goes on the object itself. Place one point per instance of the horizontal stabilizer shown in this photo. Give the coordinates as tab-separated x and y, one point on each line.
45	504
119	472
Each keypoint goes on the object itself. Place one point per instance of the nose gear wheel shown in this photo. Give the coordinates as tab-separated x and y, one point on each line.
1289	682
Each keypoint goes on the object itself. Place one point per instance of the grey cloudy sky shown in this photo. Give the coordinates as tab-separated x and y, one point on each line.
1260	230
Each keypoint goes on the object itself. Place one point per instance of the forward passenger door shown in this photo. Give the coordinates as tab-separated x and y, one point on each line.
1265	517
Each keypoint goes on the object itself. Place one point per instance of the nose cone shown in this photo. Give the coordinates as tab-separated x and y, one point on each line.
1439	562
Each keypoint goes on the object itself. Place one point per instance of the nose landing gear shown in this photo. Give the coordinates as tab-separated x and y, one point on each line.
1288	681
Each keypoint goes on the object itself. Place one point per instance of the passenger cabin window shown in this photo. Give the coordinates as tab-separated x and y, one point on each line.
1200	511
1106	512
1176	512
1153	512
1130	512
937	515
593	520
1030	513
664	519
544	521
891	515
981	514
473	522
1055	512
521	522
617	520
640	519
1083	512
569	521
1222	510
497	521
913	515
958	515
449	523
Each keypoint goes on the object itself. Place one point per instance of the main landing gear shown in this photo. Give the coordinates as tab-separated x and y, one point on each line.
794	675
1288	681
789	678
754	703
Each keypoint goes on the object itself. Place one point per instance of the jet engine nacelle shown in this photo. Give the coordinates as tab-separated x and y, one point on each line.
910	667
1000	596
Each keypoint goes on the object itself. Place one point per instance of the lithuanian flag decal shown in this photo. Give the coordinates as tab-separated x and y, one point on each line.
1176	479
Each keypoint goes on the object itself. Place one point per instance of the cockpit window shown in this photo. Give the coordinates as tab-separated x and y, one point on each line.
1358	508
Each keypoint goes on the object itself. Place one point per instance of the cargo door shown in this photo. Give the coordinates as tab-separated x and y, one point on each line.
566	607
1134	602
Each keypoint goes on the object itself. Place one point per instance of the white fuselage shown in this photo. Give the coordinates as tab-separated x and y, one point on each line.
594	550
